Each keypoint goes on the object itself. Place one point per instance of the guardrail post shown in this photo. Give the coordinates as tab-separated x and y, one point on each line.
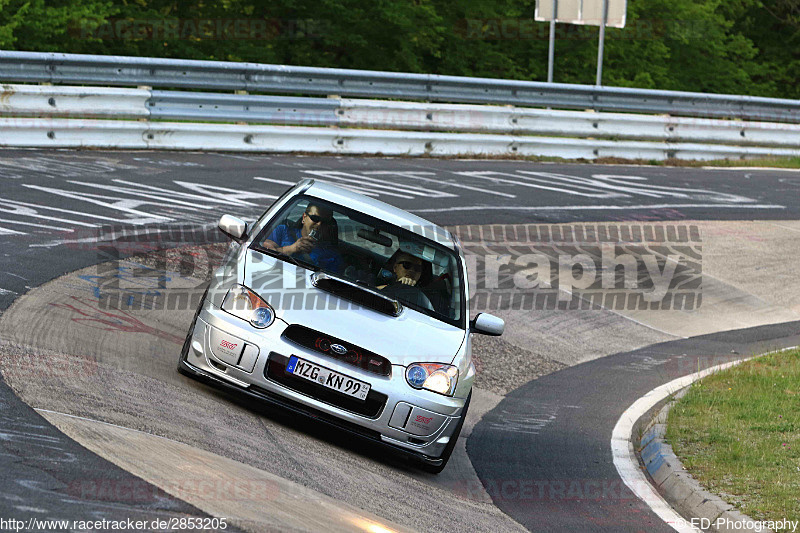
601	44
551	51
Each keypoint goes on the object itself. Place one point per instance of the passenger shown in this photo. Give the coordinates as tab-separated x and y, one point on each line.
309	237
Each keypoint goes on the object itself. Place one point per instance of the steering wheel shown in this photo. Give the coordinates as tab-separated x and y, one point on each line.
410	293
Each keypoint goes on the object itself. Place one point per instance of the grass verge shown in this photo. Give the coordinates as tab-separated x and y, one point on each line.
765	162
738	433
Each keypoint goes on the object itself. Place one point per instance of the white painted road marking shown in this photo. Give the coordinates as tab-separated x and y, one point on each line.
379	186
6	231
279	182
356	183
589	207
601	185
417	176
28	211
622	447
57	209
125	205
132	203
43	226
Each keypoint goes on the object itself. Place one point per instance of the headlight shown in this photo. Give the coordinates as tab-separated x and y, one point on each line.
433	376
243	303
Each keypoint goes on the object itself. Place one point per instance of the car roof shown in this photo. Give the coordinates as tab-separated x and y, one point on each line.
380	210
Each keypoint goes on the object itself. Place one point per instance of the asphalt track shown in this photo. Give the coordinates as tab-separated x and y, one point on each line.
544	475
50	198
555	472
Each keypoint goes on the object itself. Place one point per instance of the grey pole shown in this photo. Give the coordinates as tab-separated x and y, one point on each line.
551	52
601	43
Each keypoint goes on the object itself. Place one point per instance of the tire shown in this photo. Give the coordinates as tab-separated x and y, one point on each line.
448	450
188	341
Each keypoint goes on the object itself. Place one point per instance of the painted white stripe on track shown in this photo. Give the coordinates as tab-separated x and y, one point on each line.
17	222
30	212
273	180
622	447
433	193
543	184
415	175
359	190
344	186
776	169
153	199
111	236
590	207
111	202
362	181
58	209
6	231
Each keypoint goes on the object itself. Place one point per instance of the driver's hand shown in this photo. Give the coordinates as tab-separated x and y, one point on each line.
304	245
407	281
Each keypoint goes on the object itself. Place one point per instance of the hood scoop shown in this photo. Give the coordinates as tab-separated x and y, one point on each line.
358	294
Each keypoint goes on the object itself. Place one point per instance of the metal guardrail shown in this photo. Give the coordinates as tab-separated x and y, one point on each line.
125	134
36	100
176	105
212	75
88	102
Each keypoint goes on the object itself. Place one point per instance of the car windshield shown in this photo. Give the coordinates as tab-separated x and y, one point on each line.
420	273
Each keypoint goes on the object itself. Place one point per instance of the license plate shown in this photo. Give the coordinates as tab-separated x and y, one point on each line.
327	378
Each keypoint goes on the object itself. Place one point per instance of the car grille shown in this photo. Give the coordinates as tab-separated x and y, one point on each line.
371	407
354	355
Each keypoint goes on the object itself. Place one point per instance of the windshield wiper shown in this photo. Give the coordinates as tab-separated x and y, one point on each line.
286	257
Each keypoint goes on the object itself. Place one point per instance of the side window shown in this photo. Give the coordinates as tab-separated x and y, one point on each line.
296	212
290	217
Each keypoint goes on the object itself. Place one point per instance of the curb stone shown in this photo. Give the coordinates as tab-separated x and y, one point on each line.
678	487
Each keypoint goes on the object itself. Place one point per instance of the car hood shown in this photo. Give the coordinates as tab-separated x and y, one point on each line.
410	337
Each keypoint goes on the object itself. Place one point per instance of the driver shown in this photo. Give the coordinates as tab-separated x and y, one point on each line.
408	270
406	267
305	238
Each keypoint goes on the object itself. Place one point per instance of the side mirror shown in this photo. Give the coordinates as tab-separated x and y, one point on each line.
233	227
487	324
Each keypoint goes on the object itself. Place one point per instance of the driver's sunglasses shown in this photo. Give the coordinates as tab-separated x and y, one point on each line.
317	218
408	265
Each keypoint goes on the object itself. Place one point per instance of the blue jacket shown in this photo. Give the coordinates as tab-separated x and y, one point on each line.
323	255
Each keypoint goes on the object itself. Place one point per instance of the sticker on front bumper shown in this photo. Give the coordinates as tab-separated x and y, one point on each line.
226	347
327	378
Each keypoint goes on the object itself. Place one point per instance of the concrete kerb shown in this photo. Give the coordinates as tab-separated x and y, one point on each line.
662	468
667	473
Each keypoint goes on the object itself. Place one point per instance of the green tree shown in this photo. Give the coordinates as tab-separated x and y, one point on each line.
11	17
53	26
730	46
774	28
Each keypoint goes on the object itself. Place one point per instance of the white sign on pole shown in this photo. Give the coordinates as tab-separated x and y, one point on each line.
588	12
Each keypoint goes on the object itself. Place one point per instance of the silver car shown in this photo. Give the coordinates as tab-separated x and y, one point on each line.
348	310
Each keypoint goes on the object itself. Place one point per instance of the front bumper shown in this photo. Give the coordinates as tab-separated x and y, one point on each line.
389	423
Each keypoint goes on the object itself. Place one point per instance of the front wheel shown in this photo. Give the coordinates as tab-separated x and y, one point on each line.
448	450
